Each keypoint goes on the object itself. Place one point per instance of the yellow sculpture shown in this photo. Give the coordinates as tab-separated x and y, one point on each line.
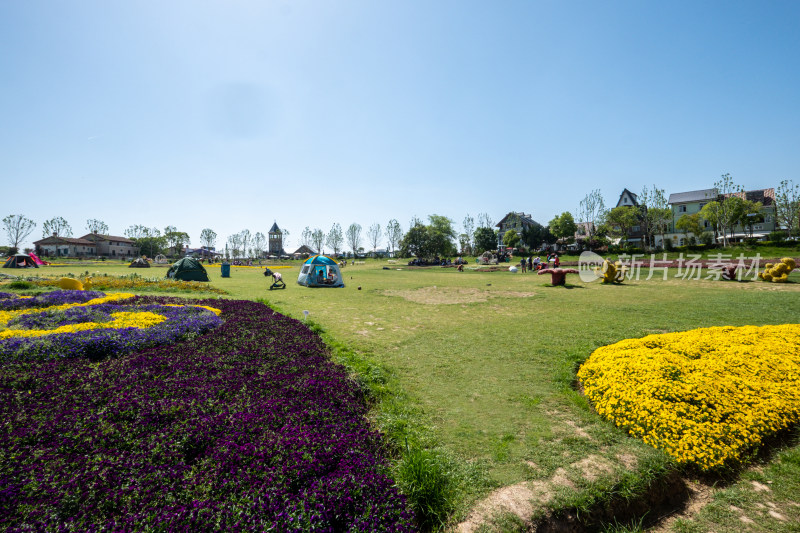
611	272
70	284
778	272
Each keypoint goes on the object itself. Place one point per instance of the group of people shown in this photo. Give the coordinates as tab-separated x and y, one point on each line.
536	263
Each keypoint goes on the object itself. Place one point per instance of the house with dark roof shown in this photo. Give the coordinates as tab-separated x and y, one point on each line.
629	199
55	246
518	222
112	246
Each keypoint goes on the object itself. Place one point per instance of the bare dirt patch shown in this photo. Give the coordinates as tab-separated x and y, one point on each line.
699	496
453	295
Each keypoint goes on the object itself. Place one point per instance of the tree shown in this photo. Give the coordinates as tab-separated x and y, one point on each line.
17	228
96	226
374	235
208	238
306	237
318	238
485	221
148	240
563	226
442	236
787	206
535	235
57	226
658	213
690	224
620	220
259	244
590	211
354	237
469	233
729	205
335	238
485	240
394	233
751	215
415	242
511	239
710	213
244	241
136	231
175	239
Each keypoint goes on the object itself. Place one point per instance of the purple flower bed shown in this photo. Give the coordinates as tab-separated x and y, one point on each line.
181	323
7	295
249	427
49	299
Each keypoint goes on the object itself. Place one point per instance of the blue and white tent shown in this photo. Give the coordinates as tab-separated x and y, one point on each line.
320	271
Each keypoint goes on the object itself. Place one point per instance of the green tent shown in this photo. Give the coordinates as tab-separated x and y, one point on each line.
187	269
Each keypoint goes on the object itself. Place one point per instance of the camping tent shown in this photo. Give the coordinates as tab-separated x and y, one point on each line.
320	271
187	269
20	261
139	262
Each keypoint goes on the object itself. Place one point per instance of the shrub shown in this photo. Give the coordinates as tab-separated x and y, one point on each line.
707	238
777	236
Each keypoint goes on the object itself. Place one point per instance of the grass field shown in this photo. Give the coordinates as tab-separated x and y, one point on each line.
480	366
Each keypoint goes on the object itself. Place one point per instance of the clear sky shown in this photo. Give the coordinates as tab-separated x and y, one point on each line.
234	114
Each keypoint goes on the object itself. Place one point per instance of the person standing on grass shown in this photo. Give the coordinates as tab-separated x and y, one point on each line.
522	265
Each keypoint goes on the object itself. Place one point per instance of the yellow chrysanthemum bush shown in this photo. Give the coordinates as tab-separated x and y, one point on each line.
778	272
706	396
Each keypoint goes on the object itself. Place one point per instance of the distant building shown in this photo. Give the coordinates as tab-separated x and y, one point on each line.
629	199
691	202
55	246
276	240
518	222
112	246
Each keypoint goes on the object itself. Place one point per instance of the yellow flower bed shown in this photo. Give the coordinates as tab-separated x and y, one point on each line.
5	316
126	319
705	396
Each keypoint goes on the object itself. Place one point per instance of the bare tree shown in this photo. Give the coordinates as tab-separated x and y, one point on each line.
244	240
208	238
591	212
354	237
259	243
96	226
318	238
374	235
394	234
306	238
17	229
485	221
469	232
787	205
335	238
57	226
137	231
728	204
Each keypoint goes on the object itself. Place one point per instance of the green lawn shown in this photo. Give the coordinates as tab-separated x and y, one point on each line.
481	365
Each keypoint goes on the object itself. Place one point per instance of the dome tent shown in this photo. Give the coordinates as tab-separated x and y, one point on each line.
320	271
187	269
20	261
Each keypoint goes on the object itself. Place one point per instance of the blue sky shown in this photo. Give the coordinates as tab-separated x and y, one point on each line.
232	115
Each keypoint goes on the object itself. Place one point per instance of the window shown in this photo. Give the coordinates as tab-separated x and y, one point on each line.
681	209
635	228
701	205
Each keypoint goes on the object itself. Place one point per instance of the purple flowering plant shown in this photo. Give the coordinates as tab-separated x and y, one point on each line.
49	299
248	427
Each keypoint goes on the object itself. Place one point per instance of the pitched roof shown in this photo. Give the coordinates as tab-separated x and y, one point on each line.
64	240
525	219
275	228
692	196
633	196
111	238
765	196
